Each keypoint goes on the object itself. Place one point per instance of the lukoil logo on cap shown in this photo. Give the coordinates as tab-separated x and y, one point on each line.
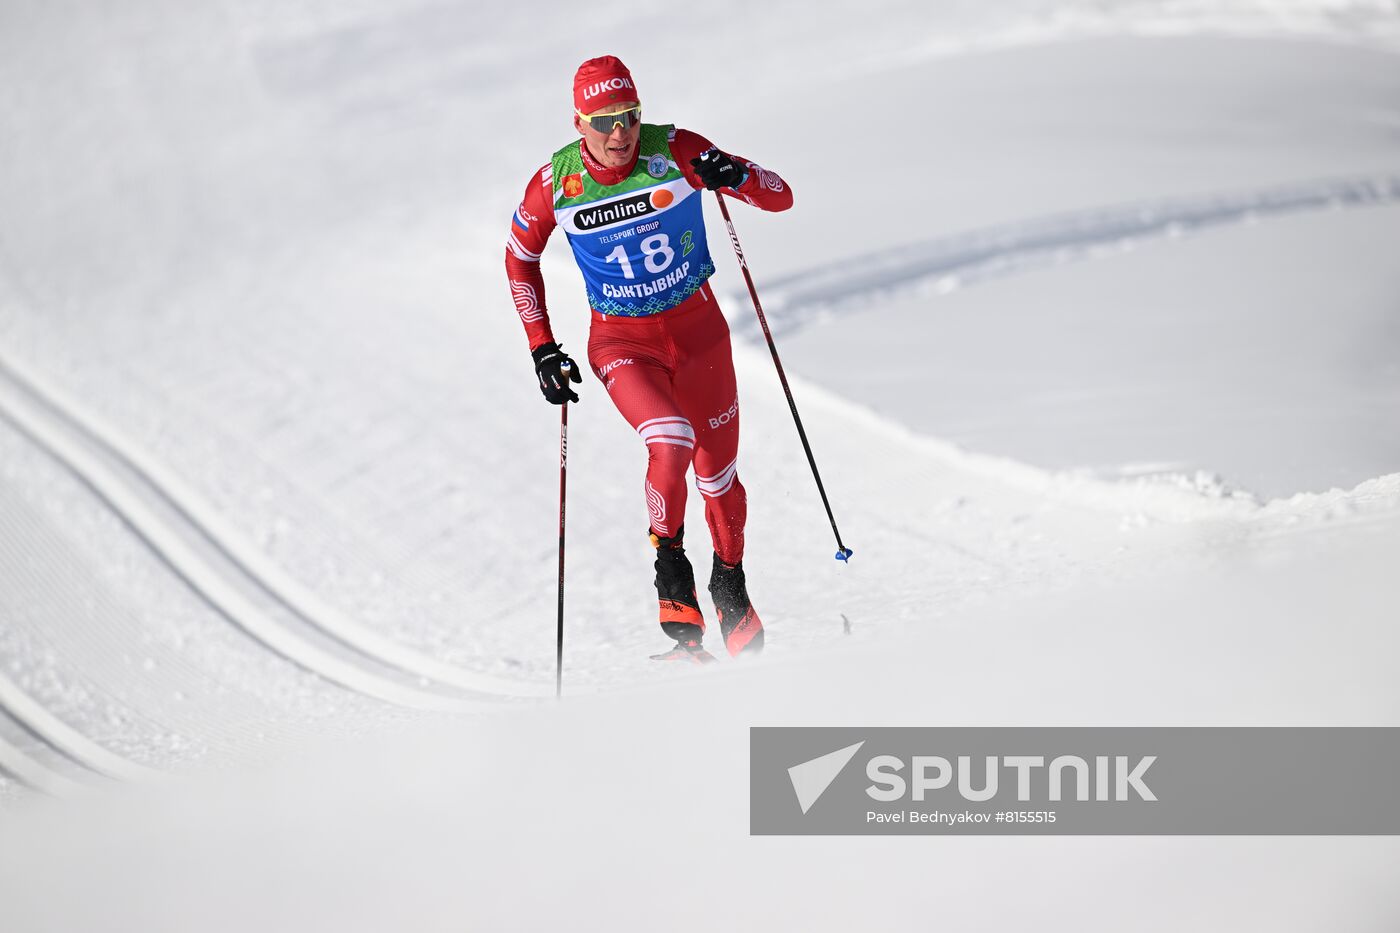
615	84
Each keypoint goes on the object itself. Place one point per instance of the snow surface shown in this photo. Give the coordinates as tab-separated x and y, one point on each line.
1103	381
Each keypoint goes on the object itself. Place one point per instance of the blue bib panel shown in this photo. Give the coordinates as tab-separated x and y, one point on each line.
640	244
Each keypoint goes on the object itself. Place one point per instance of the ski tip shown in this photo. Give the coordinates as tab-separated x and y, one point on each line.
844	554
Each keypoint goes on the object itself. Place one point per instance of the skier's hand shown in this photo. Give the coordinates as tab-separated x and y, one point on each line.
556	371
718	170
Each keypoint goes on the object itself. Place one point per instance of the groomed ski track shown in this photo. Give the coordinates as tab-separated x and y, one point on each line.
948	263
166	515
230	577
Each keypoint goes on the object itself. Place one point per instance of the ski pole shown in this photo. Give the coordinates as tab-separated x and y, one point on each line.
563	476
842	552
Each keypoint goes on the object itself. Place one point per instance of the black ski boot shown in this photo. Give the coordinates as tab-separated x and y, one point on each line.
675	594
738	622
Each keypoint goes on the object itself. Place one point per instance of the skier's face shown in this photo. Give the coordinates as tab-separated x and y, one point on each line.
614	149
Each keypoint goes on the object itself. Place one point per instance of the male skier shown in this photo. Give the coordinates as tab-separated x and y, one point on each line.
628	195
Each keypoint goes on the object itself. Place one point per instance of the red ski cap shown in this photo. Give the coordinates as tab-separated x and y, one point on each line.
601	82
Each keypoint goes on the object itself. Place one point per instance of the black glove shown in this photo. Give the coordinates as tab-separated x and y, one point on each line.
718	170
556	370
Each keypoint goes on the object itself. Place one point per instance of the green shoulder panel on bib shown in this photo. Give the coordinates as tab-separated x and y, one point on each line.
655	163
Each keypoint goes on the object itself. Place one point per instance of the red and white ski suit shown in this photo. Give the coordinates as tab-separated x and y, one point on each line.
670	374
